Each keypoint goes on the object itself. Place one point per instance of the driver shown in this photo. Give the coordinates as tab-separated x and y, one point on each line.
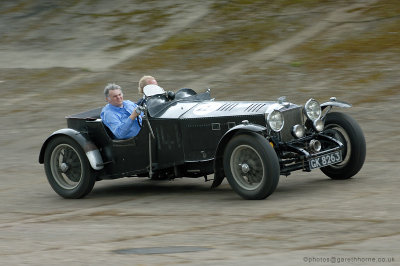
145	80
123	118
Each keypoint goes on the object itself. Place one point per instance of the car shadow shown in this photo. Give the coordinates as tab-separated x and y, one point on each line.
187	187
139	188
307	185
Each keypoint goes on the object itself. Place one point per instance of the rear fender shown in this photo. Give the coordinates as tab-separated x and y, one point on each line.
90	149
219	173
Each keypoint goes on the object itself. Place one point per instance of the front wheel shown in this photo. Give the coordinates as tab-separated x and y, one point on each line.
67	168
346	130
251	166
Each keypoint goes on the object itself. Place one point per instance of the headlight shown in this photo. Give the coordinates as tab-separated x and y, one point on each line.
298	131
318	125
312	109
275	120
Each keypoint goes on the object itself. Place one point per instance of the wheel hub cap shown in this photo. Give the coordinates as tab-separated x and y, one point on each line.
245	168
64	167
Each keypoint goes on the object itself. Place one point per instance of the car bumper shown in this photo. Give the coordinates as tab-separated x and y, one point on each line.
297	154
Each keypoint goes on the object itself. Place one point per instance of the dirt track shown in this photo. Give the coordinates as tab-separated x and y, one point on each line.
50	68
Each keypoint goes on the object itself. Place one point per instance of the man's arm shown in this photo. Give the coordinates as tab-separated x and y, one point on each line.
121	129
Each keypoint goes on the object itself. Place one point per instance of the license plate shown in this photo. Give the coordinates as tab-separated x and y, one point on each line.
327	159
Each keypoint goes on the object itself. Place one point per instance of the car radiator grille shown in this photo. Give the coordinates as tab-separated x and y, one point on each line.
292	117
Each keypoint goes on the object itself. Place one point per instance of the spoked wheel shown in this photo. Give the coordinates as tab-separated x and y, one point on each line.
346	130
67	168
251	166
247	167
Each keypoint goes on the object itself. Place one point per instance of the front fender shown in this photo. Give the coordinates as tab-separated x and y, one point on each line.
334	102
219	173
90	149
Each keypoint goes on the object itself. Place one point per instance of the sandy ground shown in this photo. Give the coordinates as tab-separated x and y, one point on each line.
309	220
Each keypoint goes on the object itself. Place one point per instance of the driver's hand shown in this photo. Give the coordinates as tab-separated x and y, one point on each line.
140	109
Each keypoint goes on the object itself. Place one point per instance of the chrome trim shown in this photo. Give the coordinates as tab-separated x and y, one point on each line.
95	160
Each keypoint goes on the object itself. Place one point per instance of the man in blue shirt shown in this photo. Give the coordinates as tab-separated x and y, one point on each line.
123	118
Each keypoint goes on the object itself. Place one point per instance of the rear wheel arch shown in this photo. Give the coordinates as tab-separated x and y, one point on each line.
91	150
67	167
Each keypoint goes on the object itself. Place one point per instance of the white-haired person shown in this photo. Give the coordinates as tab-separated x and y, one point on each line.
144	81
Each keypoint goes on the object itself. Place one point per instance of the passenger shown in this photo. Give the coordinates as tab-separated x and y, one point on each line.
123	118
145	80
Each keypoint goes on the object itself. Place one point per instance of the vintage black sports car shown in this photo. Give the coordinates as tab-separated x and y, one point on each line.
185	134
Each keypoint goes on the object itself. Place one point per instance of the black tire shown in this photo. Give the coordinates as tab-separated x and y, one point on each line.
251	166
67	168
345	129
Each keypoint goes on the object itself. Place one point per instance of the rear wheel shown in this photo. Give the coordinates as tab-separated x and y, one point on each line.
67	168
251	166
346	130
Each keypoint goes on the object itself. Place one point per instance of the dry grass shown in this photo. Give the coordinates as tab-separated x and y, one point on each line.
230	31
